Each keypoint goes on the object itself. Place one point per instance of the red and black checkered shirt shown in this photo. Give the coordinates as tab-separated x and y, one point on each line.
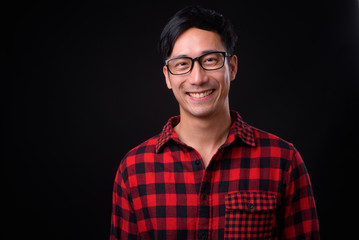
255	187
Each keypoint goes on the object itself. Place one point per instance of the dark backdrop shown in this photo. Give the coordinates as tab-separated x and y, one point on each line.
83	85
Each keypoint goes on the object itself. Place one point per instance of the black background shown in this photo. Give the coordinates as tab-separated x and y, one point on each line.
83	85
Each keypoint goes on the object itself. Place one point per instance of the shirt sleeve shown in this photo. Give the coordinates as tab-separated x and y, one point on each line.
300	215
123	219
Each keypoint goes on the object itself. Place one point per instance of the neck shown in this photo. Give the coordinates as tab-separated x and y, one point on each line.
204	133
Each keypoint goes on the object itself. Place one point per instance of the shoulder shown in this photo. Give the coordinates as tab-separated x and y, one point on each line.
274	146
266	139
140	153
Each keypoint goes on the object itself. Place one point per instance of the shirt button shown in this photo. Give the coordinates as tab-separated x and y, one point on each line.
197	162
204	235
250	205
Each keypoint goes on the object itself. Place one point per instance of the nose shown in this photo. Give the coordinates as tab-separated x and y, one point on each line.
198	75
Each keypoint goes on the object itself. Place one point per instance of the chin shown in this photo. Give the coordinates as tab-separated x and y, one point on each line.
200	112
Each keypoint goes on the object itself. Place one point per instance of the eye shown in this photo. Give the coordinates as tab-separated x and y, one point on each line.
181	64
210	60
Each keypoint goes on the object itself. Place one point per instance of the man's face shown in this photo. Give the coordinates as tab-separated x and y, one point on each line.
201	93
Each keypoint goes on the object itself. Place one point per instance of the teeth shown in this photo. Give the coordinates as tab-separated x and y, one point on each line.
200	95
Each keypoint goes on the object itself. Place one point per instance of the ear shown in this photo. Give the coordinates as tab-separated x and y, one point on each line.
167	77
233	64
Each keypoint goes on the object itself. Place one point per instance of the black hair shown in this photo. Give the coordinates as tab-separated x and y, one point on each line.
198	17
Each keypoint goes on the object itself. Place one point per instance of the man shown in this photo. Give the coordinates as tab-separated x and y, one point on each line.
209	175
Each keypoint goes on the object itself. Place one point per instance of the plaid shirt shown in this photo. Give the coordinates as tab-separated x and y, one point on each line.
255	187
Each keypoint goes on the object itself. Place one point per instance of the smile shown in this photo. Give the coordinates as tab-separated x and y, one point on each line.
201	94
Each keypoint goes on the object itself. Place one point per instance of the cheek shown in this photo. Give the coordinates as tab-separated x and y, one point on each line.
223	80
227	78
176	91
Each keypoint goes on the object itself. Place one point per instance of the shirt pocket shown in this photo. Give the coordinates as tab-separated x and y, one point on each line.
250	215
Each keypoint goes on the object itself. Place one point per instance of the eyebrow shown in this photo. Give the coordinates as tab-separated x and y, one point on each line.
203	52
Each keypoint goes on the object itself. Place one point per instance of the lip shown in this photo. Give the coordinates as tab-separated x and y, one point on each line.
200	95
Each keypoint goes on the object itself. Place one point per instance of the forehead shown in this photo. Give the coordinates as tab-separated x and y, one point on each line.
194	41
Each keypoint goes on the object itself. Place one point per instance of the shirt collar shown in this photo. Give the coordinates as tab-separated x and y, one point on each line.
238	129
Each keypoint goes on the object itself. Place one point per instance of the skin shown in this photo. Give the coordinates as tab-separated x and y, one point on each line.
205	121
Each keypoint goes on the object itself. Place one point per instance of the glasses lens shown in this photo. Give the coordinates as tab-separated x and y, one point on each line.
209	61
212	61
180	65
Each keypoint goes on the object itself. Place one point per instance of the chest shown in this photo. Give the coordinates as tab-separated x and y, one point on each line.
179	177
178	192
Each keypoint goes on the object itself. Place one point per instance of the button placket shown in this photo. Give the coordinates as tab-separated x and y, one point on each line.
204	210
250	205
203	235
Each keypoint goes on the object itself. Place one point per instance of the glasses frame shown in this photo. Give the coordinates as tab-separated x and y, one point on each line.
225	54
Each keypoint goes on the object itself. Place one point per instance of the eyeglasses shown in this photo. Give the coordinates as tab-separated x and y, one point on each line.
208	61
